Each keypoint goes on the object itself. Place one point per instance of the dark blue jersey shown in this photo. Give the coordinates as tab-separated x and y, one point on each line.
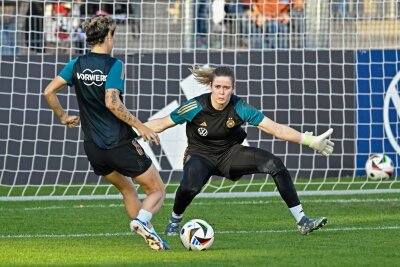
212	132
91	75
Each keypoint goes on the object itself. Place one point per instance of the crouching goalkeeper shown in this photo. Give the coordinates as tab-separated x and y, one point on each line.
213	127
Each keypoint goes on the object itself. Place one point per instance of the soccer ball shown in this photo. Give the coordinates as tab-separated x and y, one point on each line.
197	234
379	166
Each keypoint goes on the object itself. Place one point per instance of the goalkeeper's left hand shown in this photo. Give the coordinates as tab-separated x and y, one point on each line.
319	143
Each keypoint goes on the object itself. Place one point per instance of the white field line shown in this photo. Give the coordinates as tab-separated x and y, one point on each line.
214	203
344	229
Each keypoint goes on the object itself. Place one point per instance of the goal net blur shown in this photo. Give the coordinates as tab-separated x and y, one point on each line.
319	65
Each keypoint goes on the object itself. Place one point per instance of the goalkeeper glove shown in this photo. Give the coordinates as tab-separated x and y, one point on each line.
319	143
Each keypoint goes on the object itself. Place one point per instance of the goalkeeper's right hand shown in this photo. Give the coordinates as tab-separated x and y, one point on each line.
319	143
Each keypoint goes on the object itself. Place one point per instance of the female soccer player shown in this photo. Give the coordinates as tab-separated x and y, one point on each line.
109	141
214	132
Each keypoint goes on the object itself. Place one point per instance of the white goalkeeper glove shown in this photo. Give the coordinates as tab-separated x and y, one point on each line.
319	143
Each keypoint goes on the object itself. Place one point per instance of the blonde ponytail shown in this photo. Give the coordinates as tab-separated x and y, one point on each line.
203	76
206	76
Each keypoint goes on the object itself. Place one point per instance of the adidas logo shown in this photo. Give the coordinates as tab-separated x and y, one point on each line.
204	124
195	242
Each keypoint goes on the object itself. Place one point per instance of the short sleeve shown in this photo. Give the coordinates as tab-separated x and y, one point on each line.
248	113
186	111
67	72
116	77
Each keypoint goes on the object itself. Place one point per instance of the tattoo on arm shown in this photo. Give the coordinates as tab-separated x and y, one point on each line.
119	109
114	97
125	114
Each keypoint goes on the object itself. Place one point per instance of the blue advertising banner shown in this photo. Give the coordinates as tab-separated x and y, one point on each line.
378	111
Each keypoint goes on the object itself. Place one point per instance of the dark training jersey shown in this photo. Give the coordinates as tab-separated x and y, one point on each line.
212	132
91	75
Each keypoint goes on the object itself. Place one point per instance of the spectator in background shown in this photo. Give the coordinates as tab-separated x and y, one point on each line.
61	13
298	24
202	12
236	19
67	25
236	7
8	28
92	8
218	27
209	26
34	26
78	33
271	22
134	17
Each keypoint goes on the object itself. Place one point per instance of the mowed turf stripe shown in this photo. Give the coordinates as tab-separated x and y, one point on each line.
347	229
246	202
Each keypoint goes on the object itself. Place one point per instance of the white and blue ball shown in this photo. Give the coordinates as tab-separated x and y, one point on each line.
379	166
197	235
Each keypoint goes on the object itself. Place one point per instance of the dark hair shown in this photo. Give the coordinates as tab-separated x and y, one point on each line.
207	76
97	28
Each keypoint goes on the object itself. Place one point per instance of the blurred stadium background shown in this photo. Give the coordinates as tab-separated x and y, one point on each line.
170	25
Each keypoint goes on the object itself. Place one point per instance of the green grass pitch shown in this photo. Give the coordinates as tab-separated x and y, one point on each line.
363	230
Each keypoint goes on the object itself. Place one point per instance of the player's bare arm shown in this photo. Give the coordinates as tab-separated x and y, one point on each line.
115	105
319	143
161	124
280	131
50	94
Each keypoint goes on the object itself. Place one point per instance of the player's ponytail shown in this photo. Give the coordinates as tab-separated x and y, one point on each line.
206	75
203	76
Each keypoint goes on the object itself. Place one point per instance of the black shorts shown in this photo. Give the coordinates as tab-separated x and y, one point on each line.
237	161
129	159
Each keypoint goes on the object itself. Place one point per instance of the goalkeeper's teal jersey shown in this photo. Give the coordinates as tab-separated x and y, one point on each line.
211	132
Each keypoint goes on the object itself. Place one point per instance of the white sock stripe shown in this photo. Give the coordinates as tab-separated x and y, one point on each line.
144	215
297	212
377	228
176	216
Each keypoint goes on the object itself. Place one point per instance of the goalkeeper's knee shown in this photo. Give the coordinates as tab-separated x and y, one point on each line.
190	191
272	166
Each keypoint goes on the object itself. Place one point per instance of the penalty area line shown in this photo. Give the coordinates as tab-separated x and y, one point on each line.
340	229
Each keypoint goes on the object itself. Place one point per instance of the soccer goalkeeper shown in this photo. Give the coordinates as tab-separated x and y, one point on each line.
213	128
109	141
